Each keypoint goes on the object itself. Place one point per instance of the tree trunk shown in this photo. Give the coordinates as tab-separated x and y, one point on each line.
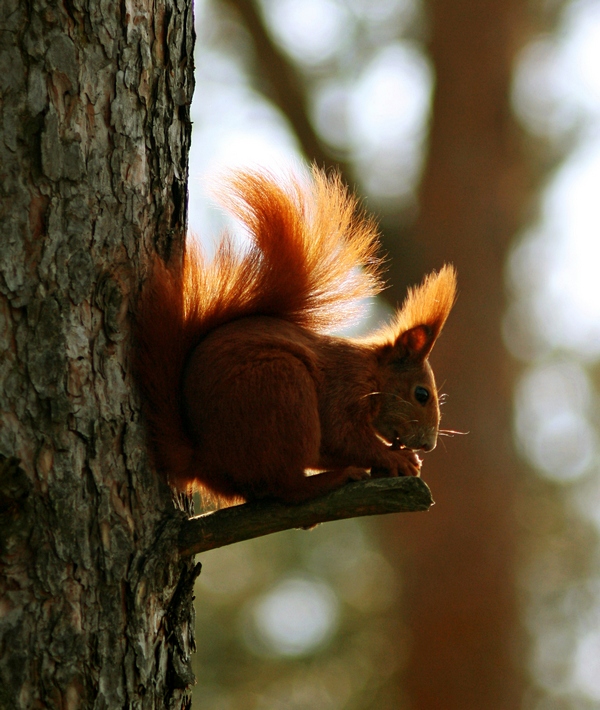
95	605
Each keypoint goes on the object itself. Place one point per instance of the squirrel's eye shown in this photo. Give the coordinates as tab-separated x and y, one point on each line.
421	394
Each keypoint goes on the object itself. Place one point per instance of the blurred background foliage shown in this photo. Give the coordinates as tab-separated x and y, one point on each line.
472	130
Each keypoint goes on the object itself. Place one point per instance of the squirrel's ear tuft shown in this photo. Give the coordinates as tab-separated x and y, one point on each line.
419	322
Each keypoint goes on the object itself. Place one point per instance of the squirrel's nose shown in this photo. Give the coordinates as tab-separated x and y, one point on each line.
429	443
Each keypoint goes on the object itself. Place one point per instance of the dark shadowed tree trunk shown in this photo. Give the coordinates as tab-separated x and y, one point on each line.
95	606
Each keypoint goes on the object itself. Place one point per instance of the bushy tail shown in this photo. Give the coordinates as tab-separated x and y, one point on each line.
312	257
313	253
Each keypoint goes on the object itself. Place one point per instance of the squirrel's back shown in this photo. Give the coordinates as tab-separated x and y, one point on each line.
311	259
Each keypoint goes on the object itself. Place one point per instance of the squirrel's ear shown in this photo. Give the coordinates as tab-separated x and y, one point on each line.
415	343
414	330
423	314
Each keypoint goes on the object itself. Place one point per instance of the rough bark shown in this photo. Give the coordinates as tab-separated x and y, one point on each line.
95	604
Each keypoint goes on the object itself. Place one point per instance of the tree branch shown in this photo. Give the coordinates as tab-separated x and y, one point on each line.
244	522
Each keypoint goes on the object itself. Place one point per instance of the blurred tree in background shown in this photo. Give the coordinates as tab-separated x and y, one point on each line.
462	608
424	107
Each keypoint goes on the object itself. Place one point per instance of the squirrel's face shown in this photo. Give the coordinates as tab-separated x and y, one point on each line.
408	410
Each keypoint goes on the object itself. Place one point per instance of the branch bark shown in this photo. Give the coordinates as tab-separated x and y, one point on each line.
244	522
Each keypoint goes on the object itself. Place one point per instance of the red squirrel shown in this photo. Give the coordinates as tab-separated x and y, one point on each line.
246	394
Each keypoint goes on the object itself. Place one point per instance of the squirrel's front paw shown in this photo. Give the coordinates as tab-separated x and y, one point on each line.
356	474
406	463
410	463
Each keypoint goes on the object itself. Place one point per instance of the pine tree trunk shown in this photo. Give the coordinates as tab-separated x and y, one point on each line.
95	606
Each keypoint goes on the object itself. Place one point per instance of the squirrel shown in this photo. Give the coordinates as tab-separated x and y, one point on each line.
246	394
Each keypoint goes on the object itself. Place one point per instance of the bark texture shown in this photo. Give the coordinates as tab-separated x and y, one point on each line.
95	605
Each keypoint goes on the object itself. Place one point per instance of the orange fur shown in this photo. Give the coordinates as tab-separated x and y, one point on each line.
244	389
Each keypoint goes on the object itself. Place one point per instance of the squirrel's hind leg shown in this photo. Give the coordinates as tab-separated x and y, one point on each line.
258	428
309	487
256	421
